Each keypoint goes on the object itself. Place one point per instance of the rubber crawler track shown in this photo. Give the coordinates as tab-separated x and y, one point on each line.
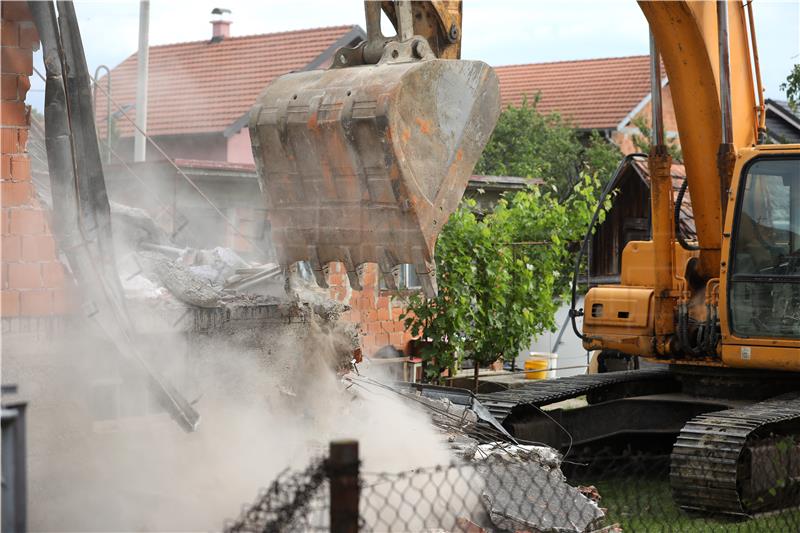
544	392
705	458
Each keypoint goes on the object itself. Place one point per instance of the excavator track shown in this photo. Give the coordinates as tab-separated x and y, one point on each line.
739	461
545	392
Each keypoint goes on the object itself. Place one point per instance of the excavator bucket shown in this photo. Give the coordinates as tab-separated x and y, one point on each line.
365	164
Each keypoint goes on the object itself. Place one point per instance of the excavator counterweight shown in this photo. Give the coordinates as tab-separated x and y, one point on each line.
364	164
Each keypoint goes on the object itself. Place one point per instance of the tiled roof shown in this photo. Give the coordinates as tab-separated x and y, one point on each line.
200	86
593	93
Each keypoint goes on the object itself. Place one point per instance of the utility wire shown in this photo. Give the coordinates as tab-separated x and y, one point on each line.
489	433
163	206
174	165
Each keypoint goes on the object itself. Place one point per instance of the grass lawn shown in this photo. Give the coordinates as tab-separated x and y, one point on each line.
646	506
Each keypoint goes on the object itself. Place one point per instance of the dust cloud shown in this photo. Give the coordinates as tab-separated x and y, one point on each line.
104	456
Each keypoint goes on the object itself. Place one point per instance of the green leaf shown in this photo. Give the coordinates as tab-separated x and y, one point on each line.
494	295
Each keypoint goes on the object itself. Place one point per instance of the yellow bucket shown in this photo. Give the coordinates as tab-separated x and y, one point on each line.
536	368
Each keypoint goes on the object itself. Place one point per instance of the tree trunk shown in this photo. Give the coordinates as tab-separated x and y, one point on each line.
475	384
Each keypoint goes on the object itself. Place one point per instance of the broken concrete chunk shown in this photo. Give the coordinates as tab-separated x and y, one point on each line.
133	225
525	490
184	284
530	497
517	453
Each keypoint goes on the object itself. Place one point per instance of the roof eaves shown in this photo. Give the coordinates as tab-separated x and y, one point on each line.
355	34
641	105
782	112
237	125
631	162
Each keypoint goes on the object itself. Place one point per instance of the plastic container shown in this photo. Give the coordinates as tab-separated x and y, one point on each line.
552	362
536	368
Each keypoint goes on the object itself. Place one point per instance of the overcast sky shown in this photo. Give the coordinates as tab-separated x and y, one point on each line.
500	32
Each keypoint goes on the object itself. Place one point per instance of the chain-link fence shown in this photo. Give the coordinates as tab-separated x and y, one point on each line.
500	488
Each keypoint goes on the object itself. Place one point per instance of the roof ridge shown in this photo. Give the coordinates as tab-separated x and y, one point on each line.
593	59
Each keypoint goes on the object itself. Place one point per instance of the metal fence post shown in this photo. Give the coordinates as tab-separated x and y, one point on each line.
343	467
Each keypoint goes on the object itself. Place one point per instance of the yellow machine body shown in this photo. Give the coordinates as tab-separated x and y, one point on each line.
622	317
691	287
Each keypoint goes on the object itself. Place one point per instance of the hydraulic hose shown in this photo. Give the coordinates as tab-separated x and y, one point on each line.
573	313
678	204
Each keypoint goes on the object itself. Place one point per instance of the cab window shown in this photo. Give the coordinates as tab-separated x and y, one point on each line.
765	274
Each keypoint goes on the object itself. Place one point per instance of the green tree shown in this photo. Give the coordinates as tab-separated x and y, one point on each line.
527	143
642	140
792	88
501	278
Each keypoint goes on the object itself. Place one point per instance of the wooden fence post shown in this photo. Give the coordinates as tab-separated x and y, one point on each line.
343	467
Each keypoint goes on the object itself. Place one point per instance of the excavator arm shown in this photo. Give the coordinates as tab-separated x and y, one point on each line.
438	22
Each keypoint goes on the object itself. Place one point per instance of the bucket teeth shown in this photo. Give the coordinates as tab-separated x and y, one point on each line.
351	269
365	164
319	270
426	273
389	269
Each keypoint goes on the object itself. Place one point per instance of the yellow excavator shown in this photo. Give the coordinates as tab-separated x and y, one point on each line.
365	161
724	314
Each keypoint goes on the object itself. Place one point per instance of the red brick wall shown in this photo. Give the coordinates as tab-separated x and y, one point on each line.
376	310
32	277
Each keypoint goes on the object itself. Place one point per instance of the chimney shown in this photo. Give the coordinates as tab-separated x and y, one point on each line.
221	29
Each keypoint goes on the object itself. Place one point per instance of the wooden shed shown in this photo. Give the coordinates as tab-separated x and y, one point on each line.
629	219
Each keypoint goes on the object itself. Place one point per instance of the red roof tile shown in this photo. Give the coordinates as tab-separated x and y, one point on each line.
200	86
593	93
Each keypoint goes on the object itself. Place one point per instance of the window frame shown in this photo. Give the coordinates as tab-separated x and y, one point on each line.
732	276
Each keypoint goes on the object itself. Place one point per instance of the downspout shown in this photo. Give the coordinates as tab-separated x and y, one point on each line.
726	155
661	211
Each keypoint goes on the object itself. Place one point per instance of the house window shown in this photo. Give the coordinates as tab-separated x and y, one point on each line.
408	279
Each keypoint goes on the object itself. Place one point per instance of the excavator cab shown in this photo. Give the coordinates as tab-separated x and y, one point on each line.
364	162
765	250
